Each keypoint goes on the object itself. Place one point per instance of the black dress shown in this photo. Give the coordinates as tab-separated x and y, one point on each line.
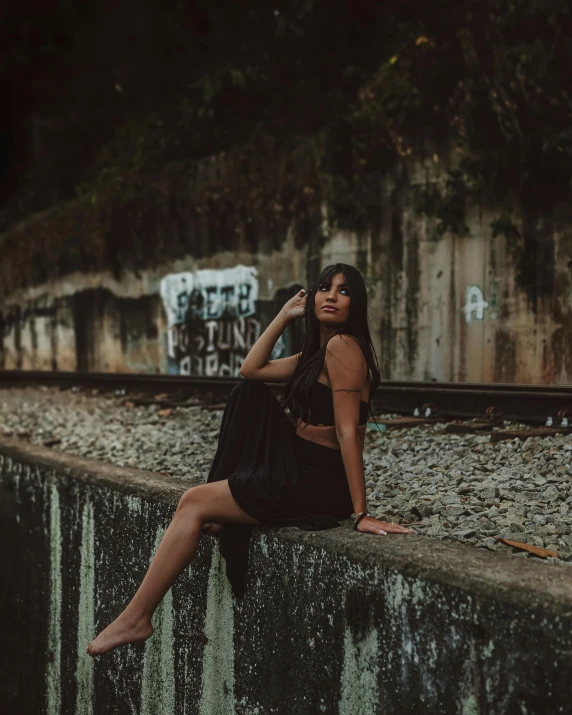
276	476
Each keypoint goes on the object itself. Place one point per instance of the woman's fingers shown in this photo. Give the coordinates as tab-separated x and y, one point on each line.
397	528
374	526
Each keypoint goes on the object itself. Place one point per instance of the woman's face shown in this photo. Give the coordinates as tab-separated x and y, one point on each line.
335	294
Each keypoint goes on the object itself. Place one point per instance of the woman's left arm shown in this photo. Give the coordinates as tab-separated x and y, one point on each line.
347	370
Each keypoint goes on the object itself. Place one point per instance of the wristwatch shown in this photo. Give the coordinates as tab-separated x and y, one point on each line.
359	516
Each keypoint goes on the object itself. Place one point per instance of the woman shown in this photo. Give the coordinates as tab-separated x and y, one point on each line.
304	468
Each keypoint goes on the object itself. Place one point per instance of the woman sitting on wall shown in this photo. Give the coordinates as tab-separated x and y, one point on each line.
300	467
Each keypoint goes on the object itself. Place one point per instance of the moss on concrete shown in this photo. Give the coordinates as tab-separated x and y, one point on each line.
332	622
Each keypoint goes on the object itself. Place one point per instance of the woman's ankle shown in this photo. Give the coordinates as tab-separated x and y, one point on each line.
137	620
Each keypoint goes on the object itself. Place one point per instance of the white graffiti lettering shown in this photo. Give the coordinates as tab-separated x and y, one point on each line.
211	324
475	304
210	294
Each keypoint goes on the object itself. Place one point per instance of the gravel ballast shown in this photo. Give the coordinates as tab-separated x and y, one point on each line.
447	486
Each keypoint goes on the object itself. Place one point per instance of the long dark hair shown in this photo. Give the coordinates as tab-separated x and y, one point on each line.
297	389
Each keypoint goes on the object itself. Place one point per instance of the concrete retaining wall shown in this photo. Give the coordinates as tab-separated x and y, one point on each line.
476	307
332	622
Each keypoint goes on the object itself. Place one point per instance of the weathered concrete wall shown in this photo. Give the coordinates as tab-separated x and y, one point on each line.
472	308
332	622
465	308
193	317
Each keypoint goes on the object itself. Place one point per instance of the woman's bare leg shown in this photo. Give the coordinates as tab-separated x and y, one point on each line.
205	503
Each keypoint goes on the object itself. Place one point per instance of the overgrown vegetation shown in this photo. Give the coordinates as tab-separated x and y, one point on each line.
121	93
490	79
231	202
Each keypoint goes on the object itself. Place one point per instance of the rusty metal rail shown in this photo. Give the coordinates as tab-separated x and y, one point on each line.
525	403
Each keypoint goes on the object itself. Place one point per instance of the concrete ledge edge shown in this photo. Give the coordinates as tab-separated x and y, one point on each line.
482	573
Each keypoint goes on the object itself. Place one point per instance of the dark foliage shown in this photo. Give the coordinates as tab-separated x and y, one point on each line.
100	91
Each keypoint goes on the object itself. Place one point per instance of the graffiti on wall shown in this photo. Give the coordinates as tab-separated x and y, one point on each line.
475	304
211	320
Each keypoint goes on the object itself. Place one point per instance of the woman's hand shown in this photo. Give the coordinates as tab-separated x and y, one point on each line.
296	306
370	525
212	528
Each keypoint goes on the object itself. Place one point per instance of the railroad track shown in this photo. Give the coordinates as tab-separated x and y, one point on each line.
531	404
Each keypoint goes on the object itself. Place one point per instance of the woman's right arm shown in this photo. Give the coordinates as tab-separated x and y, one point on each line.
256	365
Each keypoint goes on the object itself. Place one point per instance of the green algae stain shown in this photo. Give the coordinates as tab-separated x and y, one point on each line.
158	689
217	694
263	542
86	618
133	503
469	706
53	674
360	674
488	650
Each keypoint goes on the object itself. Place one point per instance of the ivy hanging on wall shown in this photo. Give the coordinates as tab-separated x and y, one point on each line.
359	87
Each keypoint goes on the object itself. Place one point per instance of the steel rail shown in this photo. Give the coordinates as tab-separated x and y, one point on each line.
524	403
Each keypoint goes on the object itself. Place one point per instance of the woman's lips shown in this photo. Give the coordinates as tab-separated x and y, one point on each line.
330	309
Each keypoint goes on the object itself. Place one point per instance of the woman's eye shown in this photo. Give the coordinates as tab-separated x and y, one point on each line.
325	285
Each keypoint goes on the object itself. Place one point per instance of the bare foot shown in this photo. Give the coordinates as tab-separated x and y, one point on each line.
212	528
118	633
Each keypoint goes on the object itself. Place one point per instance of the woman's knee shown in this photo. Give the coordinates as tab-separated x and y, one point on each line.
190	500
